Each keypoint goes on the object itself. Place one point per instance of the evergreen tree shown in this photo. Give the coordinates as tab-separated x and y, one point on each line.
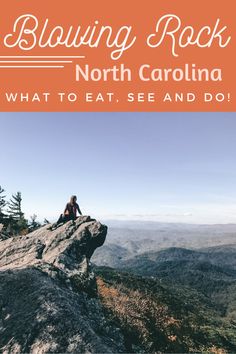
2	200
2	204
33	223
14	207
17	221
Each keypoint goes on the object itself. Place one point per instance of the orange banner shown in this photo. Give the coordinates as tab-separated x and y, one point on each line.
117	55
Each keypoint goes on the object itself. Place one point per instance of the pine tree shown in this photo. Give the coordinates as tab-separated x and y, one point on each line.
2	204
14	207
2	200
33	223
16	216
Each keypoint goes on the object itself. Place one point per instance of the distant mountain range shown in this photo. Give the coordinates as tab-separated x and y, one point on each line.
127	239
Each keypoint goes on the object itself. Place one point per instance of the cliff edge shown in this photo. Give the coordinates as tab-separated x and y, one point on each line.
48	293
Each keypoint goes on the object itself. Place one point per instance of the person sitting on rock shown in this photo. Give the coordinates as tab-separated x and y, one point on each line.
70	212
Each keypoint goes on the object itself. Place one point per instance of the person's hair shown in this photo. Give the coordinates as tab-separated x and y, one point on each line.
72	199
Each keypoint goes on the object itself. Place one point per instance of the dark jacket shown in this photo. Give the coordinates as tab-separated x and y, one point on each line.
71	210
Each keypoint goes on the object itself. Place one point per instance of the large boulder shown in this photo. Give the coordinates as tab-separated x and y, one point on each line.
48	297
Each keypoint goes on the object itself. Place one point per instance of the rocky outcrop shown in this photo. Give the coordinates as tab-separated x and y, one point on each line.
48	296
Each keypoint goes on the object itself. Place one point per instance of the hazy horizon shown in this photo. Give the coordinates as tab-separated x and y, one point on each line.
164	167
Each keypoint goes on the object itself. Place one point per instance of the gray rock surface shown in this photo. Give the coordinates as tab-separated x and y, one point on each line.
48	295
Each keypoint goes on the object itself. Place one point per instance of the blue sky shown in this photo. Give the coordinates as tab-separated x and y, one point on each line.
176	167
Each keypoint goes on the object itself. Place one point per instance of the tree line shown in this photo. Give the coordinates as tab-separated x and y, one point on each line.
12	218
